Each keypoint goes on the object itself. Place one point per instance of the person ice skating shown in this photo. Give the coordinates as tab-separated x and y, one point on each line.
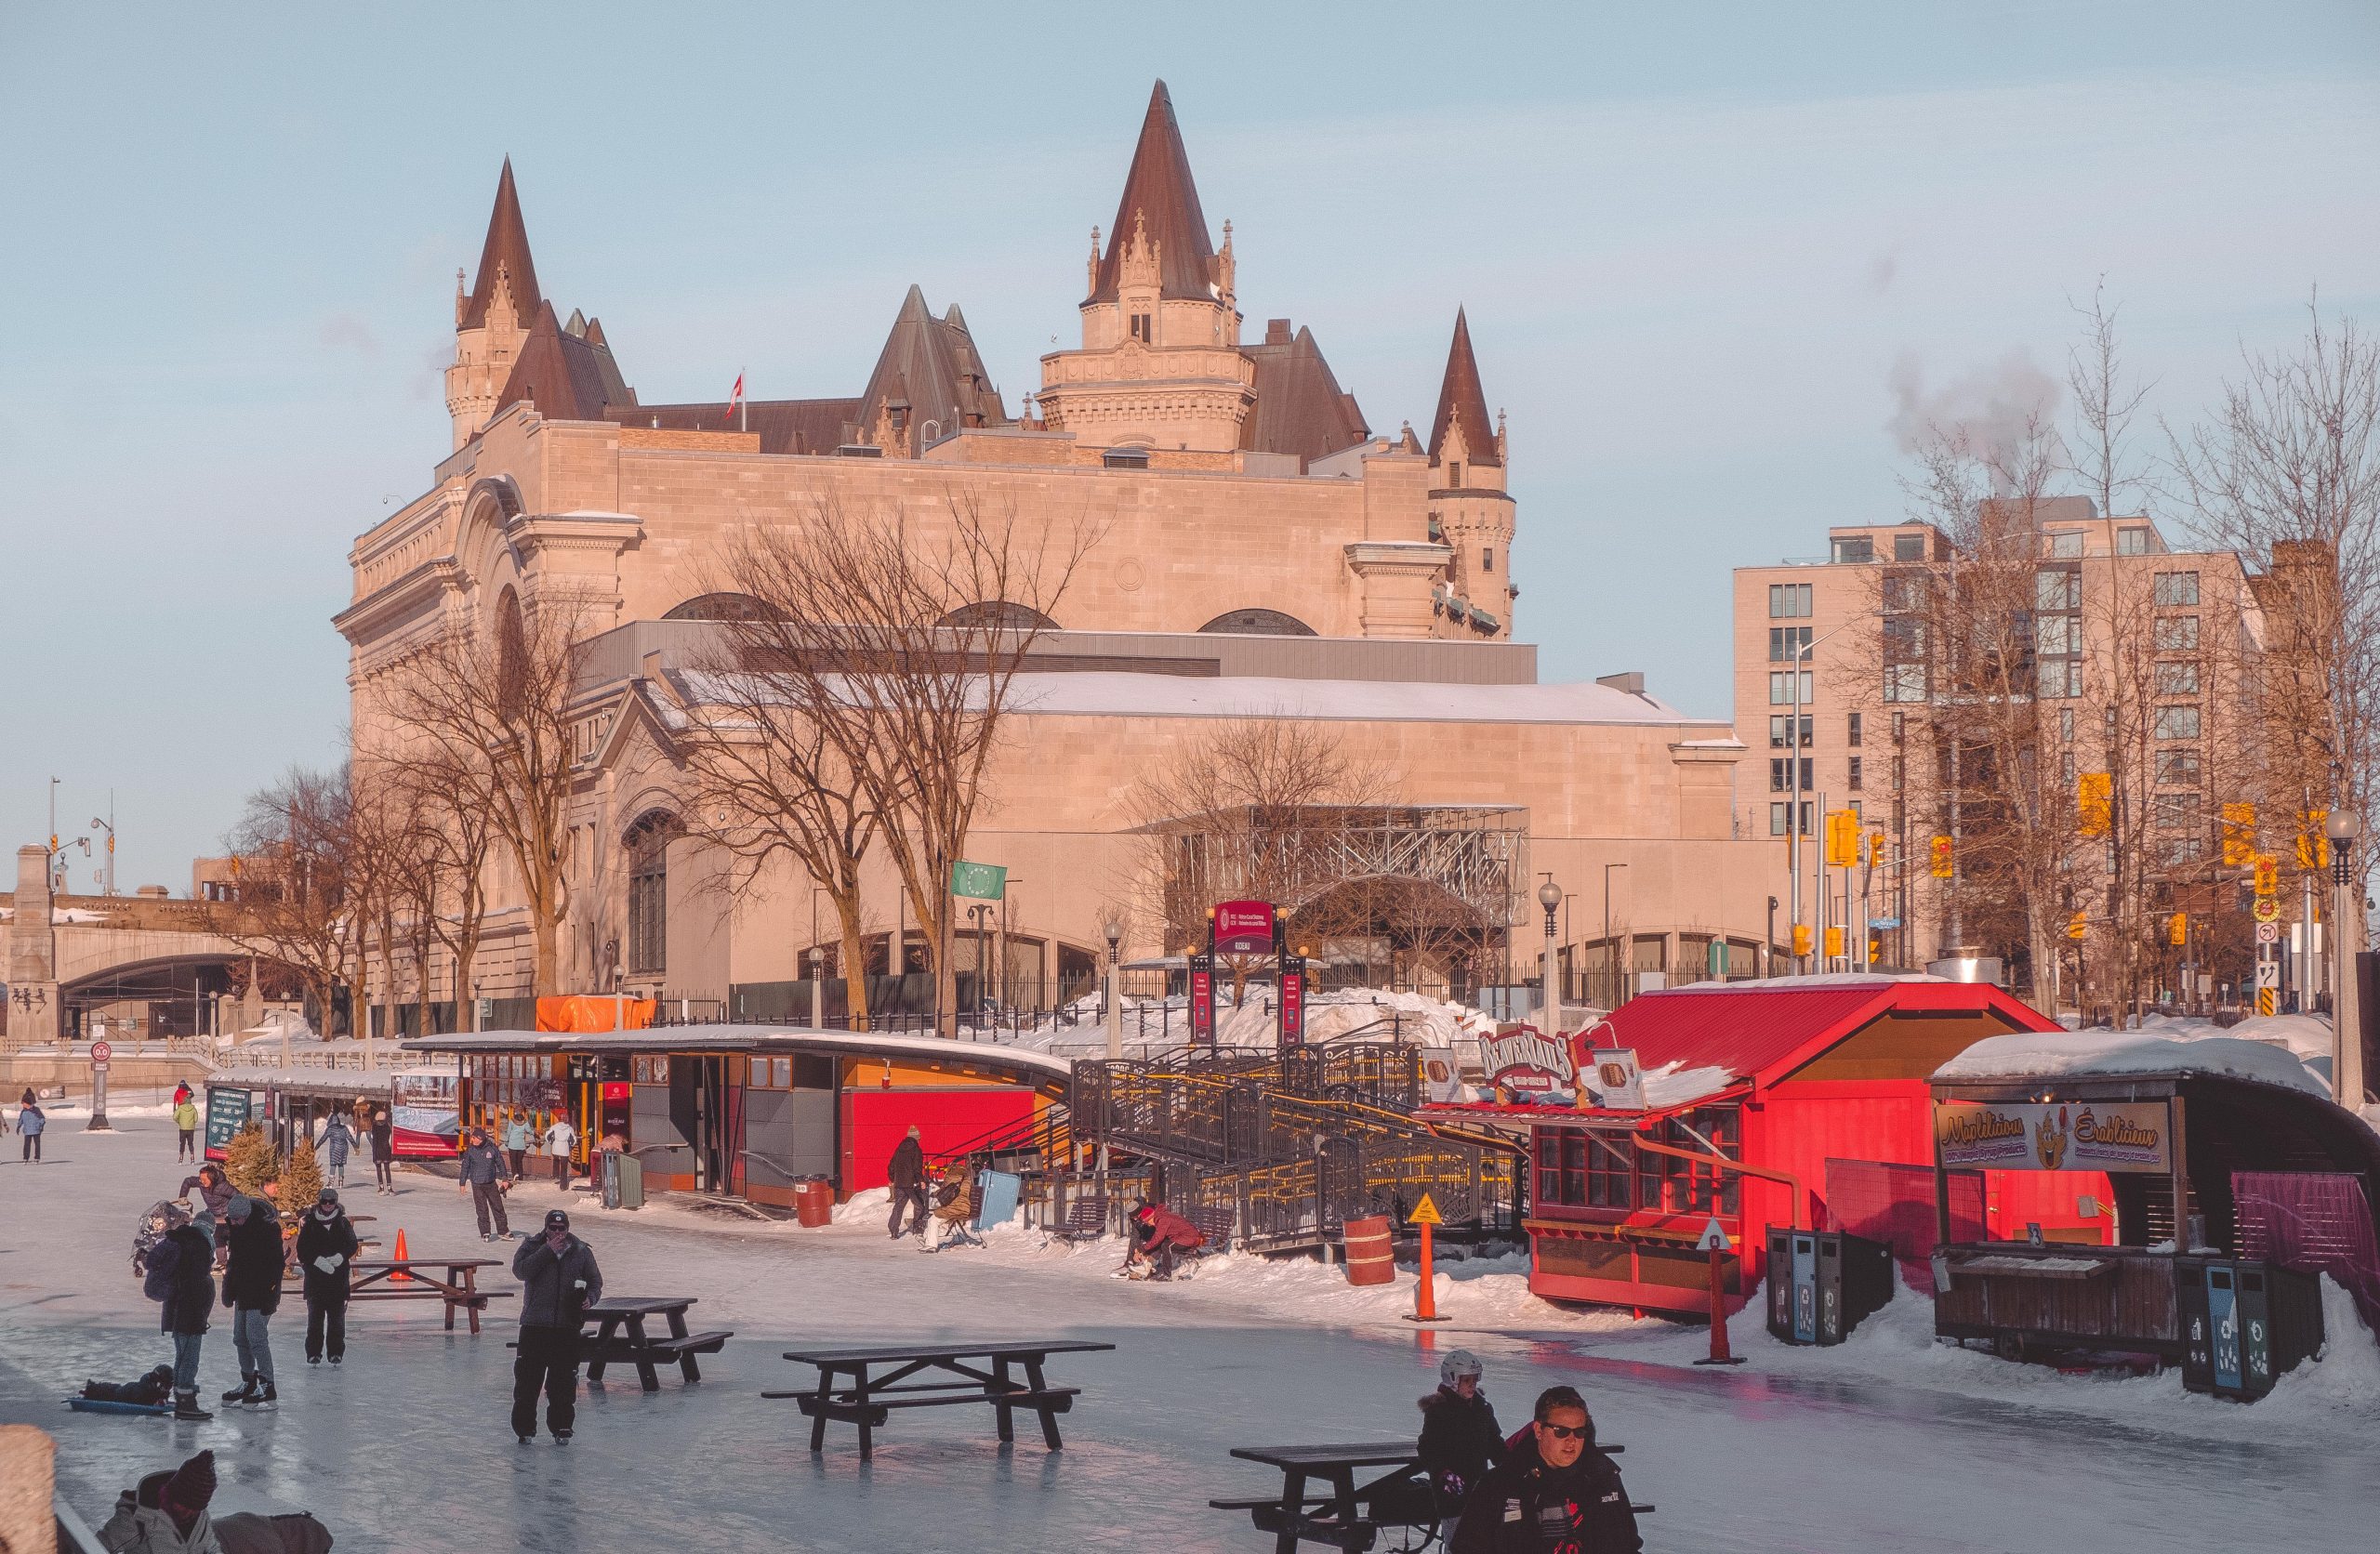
486	1177
1162	1238
252	1288
905	1172
954	1205
560	1139
559	1280
181	1091
1553	1493
336	1140
213	1187
181	1278
384	1151
186	1123
30	1123
327	1249
516	1142
1460	1437
167	1514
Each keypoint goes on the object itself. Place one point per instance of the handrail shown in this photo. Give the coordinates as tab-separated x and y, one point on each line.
1722	1163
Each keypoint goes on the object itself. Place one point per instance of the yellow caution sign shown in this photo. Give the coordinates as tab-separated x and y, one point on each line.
1424	1213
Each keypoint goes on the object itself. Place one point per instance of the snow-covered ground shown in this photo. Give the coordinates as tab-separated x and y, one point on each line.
1887	1443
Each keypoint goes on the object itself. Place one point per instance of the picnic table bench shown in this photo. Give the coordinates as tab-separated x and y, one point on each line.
880	1382
1348	1516
411	1279
636	1346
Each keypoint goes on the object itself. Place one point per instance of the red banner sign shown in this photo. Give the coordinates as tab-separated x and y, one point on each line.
1202	1000
1243	927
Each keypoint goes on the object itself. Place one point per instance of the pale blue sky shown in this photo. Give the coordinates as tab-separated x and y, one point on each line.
1699	254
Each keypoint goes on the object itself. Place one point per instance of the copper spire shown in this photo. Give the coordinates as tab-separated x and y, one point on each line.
1162	200
505	251
1460	395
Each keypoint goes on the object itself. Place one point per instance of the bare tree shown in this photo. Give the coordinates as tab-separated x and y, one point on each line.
290	860
912	628
488	712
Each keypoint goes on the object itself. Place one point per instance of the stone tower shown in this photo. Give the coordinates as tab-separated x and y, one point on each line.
32	953
1468	503
1160	364
493	319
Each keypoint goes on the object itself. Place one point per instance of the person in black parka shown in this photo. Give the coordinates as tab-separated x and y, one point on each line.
1554	1495
181	1278
327	1249
907	1174
1460	1437
252	1288
559	1280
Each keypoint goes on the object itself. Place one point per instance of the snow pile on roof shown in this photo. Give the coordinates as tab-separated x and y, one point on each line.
1676	1085
2306	1036
2118	1054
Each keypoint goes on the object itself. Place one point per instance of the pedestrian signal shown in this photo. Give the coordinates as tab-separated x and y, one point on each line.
2177	928
1834	942
2268	875
1801	939
1841	839
1942	858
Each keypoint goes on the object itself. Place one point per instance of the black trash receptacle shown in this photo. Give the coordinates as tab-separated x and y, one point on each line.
2245	1324
1822	1283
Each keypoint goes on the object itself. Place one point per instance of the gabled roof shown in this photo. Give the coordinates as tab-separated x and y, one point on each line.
1761	1033
1160	191
1300	407
506	249
566	377
1459	394
930	367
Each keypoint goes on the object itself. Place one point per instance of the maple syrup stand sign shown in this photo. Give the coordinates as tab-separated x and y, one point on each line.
2055	1135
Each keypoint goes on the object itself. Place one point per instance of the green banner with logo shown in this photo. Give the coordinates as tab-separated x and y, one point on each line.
983	882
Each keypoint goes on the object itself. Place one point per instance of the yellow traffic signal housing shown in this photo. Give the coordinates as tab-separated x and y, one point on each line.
2268	875
1875	950
1875	847
1841	839
1834	942
2094	802
2177	928
1942	858
1801	939
2078	926
2313	847
2239	834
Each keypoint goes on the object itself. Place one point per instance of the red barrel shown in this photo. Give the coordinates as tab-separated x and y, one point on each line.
813	1201
1372	1256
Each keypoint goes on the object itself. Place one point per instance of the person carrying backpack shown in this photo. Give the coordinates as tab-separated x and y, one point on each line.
181	1278
30	1123
186	1121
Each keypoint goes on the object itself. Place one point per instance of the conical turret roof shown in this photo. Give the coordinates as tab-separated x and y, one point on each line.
1459	394
507	249
1161	199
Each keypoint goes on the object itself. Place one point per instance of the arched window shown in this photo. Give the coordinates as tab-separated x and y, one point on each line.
648	849
720	606
511	653
1259	623
998	614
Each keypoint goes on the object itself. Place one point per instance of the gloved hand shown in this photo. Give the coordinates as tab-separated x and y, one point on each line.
328	1262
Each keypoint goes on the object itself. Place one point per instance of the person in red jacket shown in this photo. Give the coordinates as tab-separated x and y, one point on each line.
1162	1237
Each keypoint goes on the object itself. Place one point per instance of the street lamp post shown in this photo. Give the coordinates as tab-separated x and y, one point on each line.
1611	947
1549	896
1112	925
2346	1028
817	989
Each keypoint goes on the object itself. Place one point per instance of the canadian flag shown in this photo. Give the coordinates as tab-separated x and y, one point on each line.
735	395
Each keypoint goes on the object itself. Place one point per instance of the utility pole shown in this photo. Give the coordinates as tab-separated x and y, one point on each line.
2346	1028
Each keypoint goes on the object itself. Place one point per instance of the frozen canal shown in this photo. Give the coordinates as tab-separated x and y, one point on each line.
1883	1446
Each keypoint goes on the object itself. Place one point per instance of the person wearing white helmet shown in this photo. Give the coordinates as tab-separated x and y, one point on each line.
1460	1437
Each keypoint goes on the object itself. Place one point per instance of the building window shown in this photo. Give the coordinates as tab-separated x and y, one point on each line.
1900	773
1141	328
1787	643
2132	542
2176	634
1454	473
1781	688
2177	768
2176	722
2057	588
1789	601
1487	558
1909	547
2066	724
2066	767
2176	812
648	849
1853	739
1904	682
1904	593
1854	548
2178	679
2177	587
1780	817
2059	676
1781	776
1855	775
1780	731
1901	727
2067	545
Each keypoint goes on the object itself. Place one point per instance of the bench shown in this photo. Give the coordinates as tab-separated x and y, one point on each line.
1215	1224
879	1383
410	1279
1086	1219
611	1345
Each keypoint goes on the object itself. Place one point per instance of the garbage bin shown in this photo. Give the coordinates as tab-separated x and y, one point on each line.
622	1179
1822	1283
1371	1258
814	1201
2244	1323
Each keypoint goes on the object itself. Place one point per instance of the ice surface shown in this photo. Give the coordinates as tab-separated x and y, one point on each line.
1886	1443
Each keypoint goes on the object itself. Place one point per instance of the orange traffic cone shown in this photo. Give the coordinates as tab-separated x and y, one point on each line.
401	1276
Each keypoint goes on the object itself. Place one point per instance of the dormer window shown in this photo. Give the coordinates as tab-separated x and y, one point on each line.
1454	474
1141	330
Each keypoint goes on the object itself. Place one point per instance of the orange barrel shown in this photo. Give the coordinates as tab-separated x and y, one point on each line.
1371	1258
813	1201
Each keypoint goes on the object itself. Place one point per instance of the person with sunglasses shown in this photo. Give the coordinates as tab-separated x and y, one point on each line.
1554	1494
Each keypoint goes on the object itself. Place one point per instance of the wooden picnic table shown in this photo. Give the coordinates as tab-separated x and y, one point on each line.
378	1279
880	1382
1335	1518
636	1346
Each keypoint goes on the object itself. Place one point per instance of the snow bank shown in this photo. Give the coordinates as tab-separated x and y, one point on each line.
2117	1054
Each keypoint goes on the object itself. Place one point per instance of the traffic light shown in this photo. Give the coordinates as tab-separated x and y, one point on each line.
2177	928
1801	939
1841	839
1941	857
2313	845
2094	802
1834	941
1875	950
2078	926
2268	875
1875	847
2239	834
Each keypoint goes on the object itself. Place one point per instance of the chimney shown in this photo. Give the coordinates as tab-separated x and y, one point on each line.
1632	682
1276	332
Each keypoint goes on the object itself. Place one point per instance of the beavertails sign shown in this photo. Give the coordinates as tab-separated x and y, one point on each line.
1524	1060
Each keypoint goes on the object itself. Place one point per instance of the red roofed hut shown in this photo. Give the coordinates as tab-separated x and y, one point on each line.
1809	1092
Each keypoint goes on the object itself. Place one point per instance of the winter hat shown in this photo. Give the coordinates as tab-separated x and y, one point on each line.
192	1486
238	1210
557	1220
327	1195
913	1130
1455	1366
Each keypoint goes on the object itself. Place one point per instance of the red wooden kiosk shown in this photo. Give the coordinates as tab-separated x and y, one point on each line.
1764	1103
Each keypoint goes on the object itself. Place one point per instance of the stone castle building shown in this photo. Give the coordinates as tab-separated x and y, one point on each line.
1264	552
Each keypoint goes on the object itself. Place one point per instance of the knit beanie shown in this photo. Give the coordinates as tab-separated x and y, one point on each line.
192	1486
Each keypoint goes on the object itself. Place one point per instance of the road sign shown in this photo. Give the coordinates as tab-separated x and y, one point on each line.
101	1052
2267	910
1878	924
1424	1213
2268	986
1714	1239
2267	933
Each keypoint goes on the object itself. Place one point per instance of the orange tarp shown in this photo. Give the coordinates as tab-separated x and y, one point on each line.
592	1012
